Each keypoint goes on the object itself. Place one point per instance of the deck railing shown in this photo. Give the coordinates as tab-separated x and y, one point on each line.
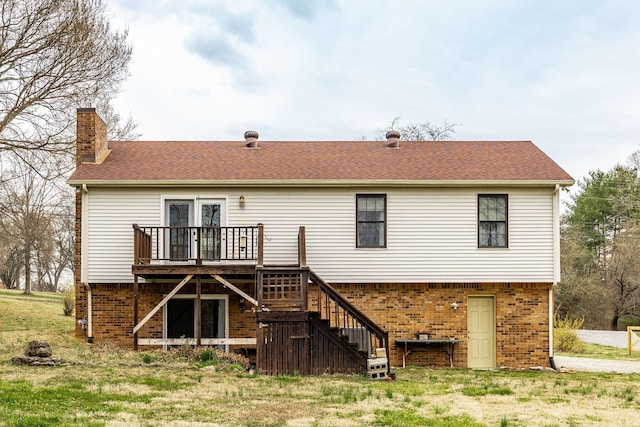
197	244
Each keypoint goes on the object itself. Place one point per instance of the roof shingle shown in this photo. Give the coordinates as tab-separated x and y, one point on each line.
323	160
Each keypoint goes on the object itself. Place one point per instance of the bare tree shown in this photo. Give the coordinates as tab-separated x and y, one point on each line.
63	220
426	131
623	276
10	256
634	160
55	56
27	200
581	293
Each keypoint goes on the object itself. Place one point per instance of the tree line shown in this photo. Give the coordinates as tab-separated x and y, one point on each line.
600	242
55	56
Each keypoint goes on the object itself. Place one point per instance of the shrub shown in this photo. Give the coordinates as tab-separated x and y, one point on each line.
147	358
207	355
565	338
69	301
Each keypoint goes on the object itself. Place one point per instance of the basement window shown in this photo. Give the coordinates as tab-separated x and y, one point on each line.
371	220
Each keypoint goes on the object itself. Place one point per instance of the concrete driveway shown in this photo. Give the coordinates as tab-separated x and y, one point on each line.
610	338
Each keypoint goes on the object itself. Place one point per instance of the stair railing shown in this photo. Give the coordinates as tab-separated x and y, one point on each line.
350	321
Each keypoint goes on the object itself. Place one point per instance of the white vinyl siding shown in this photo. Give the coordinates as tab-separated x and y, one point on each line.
431	233
112	213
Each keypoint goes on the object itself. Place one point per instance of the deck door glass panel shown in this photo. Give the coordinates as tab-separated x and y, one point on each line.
180	318
213	318
179	216
180	315
210	214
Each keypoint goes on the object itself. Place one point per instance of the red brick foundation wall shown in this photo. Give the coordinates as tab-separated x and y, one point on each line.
522	318
112	306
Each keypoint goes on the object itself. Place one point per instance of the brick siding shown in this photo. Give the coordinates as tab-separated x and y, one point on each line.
91	136
112	306
522	318
522	334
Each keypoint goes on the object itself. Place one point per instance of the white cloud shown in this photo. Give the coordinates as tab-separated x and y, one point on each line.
563	74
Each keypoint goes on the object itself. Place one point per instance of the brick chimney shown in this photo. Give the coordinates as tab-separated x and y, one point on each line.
91	137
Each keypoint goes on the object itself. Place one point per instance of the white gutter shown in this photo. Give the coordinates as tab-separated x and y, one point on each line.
319	183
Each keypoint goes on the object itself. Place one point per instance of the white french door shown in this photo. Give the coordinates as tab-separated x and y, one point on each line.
210	219
181	240
178	239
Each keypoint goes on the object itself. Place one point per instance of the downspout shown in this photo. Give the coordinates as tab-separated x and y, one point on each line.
89	314
83	260
556	266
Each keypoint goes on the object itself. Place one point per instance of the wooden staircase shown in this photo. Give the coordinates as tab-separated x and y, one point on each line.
311	333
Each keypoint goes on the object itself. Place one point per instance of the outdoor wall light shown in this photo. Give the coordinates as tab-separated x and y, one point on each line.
454	305
241	200
243	242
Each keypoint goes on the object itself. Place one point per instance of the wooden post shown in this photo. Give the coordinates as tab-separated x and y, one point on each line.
198	248
136	244
260	245
135	310
302	247
304	278
259	289
198	311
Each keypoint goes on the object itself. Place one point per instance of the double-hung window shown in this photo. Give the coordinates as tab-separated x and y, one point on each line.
492	220
371	220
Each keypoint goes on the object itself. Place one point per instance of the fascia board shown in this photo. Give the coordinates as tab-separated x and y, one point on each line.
321	183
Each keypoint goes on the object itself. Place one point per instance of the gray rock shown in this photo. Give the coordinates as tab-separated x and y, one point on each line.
38	349
36	361
38	353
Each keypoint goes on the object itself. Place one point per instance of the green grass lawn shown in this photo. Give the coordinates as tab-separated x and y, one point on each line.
99	385
596	351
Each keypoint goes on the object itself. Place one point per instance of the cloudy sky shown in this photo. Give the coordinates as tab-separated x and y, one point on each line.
562	73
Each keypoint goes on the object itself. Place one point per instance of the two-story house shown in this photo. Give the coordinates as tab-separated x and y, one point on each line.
313	252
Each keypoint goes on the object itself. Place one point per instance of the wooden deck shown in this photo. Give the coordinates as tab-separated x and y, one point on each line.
295	332
173	271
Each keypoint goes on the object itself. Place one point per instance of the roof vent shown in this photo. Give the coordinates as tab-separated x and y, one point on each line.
251	136
393	138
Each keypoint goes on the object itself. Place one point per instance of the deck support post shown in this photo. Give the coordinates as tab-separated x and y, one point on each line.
198	310
135	310
260	262
302	247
